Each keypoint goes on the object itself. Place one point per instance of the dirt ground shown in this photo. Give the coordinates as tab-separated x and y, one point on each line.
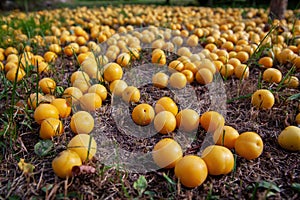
269	176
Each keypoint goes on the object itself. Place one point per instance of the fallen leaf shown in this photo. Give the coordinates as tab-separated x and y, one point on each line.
25	167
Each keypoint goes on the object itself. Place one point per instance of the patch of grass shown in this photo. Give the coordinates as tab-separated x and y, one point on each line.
31	26
171	185
261	46
210	195
140	185
270	188
282	82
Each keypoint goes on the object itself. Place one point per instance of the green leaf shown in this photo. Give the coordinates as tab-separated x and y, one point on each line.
296	186
168	179
294	97
43	147
140	185
150	193
47	187
269	194
14	197
269	185
59	90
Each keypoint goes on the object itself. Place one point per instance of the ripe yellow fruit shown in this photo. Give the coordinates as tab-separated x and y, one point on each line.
117	87
286	55
184	51
90	66
241	71
291	82
72	95
249	145
192	40
16	73
131	94
134	53
187	120
208	64
82	84
111	55
37	59
289	138
177	80
204	76
99	89
226	137
234	62
80	40
62	165
211	47
143	114
228	46
84	145
42	67
266	62
71	49
175	65
55	48
10	65
191	170
263	99
272	75
83	50
62	106
51	127
1	65
50	56
298	119
44	111
79	75
227	70
166	104
177	41
159	58
123	59
191	66
112	72
47	85
164	122
212	121
166	153
189	75
296	61
90	101
183	60
11	50
82	56
219	160
157	44
48	98
160	80
242	56
33	101
13	58
82	122
218	64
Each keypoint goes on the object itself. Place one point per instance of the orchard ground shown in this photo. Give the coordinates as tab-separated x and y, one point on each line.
275	174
